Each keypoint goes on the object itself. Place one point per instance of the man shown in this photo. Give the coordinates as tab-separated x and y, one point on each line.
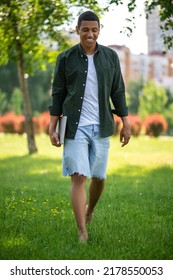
86	77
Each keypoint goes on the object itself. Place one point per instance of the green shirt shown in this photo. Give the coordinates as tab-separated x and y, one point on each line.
69	86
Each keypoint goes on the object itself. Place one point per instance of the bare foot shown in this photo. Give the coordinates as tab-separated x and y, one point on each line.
83	236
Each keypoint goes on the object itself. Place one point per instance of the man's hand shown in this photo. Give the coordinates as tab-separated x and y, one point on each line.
125	132
54	138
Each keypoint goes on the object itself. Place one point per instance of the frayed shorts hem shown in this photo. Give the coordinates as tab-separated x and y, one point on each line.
83	174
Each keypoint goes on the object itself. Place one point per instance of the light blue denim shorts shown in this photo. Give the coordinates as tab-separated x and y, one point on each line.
87	154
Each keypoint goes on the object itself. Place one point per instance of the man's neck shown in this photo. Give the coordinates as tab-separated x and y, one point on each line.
89	51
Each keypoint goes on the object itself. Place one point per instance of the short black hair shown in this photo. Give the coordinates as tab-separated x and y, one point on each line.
88	16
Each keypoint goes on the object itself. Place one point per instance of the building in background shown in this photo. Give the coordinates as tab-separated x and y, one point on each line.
154	33
155	66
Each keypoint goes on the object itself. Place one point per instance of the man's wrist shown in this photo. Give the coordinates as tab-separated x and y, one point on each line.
53	123
125	120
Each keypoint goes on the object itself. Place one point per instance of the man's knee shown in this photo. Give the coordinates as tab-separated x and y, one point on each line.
97	181
78	179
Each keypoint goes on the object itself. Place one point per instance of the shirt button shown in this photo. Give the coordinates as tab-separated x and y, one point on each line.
86	59
79	110
81	97
83	85
81	55
76	122
85	71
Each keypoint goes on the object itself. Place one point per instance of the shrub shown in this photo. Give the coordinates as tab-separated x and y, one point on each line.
155	125
45	119
19	124
41	123
12	123
135	121
7	122
136	124
37	124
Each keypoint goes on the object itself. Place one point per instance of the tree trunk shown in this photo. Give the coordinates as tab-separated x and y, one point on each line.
22	81
27	108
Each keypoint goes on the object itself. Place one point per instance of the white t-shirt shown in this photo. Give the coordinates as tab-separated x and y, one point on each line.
90	107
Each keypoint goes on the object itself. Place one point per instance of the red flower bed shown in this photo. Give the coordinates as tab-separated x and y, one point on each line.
12	123
155	125
41	123
136	124
118	124
45	119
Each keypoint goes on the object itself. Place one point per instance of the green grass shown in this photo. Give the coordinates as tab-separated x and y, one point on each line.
133	219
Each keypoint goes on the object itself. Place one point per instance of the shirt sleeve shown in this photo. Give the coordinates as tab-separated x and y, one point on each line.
59	91
118	92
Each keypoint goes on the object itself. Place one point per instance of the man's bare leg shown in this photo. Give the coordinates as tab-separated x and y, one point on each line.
95	190
78	198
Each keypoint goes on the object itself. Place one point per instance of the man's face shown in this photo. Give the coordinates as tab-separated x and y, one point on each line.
88	32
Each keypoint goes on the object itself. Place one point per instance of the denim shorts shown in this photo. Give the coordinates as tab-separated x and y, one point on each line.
87	154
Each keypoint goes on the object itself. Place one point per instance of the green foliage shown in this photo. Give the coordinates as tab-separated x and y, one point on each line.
39	86
168	114
28	24
23	23
169	93
3	102
16	101
8	78
134	90
152	100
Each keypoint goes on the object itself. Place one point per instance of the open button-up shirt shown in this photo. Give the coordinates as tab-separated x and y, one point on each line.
69	87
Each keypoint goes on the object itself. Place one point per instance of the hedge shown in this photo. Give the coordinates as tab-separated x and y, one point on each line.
153	125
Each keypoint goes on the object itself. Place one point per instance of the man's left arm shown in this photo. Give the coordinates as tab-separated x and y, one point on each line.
125	132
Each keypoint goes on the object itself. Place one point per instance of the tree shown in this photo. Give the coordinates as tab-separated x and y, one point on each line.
153	100
24	27
165	14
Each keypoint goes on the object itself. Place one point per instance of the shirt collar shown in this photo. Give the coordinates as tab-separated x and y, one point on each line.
82	52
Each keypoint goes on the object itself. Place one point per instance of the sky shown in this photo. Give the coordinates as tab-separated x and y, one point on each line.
114	21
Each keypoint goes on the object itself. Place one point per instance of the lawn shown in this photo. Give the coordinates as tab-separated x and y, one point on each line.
133	219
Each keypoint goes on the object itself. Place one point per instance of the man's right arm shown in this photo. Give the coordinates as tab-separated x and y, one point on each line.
58	97
53	135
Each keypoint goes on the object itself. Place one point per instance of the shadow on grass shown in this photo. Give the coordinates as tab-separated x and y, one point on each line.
133	219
